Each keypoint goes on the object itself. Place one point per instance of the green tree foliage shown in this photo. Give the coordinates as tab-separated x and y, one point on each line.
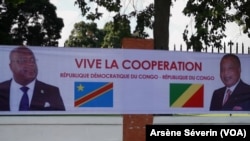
85	35
33	22
211	17
88	35
144	18
115	34
7	13
15	2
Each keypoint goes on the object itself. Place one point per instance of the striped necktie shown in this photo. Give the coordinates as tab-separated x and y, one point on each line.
228	93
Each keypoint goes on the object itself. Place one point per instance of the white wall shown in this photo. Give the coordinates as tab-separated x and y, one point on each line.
60	128
88	128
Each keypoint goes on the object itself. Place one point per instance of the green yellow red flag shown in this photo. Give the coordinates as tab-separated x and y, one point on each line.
186	95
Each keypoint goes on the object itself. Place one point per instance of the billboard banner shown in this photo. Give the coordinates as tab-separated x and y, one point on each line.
121	81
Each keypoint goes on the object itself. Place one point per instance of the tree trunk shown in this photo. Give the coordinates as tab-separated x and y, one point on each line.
161	24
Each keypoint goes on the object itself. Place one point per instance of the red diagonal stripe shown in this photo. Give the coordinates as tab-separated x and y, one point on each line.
93	94
197	99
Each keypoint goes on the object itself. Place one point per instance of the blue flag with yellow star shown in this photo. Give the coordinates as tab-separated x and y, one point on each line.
93	94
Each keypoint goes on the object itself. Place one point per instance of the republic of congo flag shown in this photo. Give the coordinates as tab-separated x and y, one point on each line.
93	94
186	95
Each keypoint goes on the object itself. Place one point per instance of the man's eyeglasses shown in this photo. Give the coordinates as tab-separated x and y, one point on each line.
25	61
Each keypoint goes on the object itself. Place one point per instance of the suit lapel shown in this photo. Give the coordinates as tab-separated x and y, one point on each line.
5	96
239	95
239	90
38	100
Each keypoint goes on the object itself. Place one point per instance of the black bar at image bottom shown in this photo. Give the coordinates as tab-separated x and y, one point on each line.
216	132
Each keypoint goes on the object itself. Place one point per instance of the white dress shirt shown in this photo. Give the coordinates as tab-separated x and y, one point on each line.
16	94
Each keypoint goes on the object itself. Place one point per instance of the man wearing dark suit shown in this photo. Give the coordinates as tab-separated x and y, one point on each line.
239	96
39	95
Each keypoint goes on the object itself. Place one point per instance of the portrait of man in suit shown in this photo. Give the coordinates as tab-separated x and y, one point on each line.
24	92
235	95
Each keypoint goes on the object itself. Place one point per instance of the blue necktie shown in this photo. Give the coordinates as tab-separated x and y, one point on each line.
24	103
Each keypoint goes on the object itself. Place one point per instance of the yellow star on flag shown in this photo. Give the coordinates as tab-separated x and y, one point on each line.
80	87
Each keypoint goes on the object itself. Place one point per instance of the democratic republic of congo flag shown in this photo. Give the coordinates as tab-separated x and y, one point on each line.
186	95
93	94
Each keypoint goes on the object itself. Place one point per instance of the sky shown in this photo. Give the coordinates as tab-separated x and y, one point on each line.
71	14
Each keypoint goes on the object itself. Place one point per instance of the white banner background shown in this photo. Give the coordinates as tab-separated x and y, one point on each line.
131	95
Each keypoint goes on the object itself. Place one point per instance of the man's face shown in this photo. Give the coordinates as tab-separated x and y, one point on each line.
23	65
229	71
